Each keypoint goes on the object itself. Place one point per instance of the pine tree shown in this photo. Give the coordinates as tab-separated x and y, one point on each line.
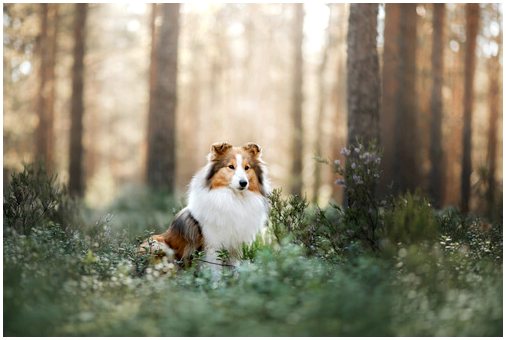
494	73
389	93
297	99
472	25
161	153
363	74
436	148
47	48
321	107
76	175
406	163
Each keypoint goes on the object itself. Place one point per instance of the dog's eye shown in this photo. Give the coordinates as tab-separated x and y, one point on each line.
231	167
246	167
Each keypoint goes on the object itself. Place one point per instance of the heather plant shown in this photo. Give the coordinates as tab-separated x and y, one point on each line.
34	198
286	216
359	175
292	220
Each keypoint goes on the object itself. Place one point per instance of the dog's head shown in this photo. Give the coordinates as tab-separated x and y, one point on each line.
238	168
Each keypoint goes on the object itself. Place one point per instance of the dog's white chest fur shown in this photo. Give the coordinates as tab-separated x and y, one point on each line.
227	218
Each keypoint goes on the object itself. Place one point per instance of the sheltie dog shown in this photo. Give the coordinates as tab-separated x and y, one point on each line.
227	207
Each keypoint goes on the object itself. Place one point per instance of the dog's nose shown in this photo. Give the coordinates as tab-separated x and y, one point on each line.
243	183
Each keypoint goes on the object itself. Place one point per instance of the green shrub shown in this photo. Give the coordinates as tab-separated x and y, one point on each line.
286	216
360	176
138	209
410	221
249	252
473	234
89	282
320	232
34	198
444	292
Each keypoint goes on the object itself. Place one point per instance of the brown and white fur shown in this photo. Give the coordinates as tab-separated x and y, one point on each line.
227	206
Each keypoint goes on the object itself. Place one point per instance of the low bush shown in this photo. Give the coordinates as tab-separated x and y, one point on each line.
360	175
309	279
139	209
286	216
480	238
34	198
410	220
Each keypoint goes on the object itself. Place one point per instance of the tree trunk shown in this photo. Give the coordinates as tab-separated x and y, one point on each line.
472	23
76	176
406	157
389	94
338	136
152	79
495	101
436	189
321	109
44	144
363	74
152	57
297	99
161	154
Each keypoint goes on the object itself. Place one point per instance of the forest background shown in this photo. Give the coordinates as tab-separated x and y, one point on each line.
237	80
380	126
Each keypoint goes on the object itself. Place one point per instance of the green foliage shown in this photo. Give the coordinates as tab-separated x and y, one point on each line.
361	173
249	251
489	200
286	215
223	256
321	233
411	220
139	209
33	198
482	239
443	292
313	281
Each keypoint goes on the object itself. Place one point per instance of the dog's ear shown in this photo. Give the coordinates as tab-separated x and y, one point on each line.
218	149
253	149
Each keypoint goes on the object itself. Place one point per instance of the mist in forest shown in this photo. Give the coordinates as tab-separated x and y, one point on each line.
118	96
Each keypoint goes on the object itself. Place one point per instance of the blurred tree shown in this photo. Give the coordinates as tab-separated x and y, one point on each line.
161	153
337	135
494	74
436	189
472	25
21	30
423	84
452	120
363	74
76	176
190	98
47	47
297	99
363	79
152	57
406	161
229	56
321	107
389	91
